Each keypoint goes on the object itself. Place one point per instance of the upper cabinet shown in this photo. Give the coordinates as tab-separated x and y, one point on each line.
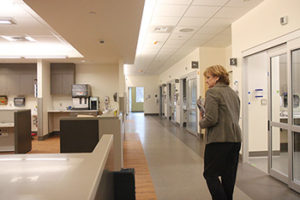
17	78
62	78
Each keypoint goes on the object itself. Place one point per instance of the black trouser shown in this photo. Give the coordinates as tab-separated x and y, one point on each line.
221	160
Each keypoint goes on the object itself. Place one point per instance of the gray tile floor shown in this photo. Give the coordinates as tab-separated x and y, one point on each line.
279	163
175	160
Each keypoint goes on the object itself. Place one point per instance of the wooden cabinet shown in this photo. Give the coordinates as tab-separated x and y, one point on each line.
17	78
62	78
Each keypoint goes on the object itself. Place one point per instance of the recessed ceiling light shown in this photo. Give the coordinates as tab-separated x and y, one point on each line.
185	30
18	38
7	21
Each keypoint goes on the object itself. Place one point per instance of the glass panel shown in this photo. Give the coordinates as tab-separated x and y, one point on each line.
192	93
279	89
280	150
139	94
192	121
296	85
192	99
296	158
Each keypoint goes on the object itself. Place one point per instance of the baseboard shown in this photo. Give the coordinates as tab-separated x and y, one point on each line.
151	114
262	153
44	137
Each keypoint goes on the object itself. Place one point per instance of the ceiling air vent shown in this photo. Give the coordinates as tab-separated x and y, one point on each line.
162	29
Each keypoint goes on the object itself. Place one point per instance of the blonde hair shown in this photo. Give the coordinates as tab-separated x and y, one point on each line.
219	71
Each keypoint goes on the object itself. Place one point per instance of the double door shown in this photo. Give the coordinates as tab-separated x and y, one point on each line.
284	114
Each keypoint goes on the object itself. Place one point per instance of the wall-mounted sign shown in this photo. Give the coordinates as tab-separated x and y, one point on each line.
195	65
233	61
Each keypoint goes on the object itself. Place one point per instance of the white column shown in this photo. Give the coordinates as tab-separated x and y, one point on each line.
44	96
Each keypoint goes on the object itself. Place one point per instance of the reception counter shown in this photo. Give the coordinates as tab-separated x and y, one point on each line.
78	176
54	117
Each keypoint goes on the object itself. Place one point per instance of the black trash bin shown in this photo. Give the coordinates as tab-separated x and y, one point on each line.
124	184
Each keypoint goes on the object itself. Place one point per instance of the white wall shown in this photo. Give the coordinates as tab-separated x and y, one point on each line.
180	68
211	56
151	88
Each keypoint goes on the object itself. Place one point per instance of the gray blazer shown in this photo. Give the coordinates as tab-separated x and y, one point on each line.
222	111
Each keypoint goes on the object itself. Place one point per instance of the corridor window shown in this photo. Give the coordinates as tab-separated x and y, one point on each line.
139	94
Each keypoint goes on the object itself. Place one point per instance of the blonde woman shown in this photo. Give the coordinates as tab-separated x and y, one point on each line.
221	119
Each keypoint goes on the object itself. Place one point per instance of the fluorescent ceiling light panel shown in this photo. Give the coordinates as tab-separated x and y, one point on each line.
9	57
18	38
146	21
7	21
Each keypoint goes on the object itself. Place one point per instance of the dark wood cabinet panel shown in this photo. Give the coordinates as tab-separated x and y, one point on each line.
17	78
26	84
62	78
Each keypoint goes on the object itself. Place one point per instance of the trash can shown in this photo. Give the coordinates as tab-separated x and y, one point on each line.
124	184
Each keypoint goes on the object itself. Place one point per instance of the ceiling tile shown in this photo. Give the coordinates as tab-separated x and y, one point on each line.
157	36
192	21
165	21
223	22
201	11
243	3
172	42
211	29
169	10
231	12
202	36
180	36
183	2
209	2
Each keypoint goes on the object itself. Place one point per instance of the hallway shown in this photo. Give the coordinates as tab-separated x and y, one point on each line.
175	162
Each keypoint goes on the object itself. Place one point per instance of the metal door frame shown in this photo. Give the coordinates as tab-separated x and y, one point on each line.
276	51
293	42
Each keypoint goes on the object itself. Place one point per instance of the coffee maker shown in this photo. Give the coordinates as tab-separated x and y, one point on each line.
94	103
81	96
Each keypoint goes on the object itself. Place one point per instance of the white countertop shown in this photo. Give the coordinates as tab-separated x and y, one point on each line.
6	125
110	115
53	176
77	111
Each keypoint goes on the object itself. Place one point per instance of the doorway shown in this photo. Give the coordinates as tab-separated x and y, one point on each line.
272	120
136	99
